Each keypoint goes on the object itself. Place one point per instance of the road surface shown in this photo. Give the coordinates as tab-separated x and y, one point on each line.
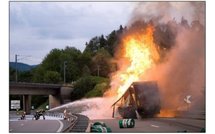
57	124
157	125
36	126
50	125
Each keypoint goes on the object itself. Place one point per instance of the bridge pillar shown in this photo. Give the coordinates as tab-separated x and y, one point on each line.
27	104
54	101
66	94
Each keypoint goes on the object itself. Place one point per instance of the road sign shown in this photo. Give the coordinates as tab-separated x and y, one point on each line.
15	104
187	99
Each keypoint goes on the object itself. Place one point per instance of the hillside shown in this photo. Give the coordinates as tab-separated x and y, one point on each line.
21	66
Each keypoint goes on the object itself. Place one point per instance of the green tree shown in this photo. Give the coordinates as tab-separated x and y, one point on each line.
85	59
112	41
86	71
38	74
103	42
73	67
73	72
25	76
84	85
98	90
101	64
12	73
93	45
52	77
54	61
120	29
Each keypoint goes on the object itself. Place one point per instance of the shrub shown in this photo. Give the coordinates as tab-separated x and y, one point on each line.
86	84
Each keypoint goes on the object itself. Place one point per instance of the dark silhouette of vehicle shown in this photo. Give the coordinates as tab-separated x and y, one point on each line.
39	113
23	116
141	98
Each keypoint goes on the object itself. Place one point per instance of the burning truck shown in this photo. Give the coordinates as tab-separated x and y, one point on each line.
138	54
141	98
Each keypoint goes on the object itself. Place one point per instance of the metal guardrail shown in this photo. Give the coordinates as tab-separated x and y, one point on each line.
81	124
77	122
55	114
39	84
73	120
35	84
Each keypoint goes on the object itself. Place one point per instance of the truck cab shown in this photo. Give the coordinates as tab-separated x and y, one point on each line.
140	98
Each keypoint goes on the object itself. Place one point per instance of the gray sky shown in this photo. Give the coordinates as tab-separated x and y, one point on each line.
38	27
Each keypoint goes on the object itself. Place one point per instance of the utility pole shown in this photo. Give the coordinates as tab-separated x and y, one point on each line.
64	71
16	66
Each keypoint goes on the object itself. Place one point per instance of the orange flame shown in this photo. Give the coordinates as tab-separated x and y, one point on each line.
141	53
166	113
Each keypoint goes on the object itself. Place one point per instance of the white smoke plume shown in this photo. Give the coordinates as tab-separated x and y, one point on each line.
162	12
182	72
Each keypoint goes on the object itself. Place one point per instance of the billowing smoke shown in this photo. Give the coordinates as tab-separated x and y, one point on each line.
162	12
181	71
179	34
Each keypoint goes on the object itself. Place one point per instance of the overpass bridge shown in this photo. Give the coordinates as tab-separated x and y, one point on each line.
58	94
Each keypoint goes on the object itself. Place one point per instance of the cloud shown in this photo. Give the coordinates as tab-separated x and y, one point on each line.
38	27
29	43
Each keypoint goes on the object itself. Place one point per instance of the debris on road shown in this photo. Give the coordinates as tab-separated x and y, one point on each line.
126	123
100	127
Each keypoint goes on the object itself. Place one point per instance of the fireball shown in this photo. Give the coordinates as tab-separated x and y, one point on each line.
139	54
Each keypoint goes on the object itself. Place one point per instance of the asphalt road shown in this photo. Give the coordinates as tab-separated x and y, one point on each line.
36	126
54	124
157	125
144	125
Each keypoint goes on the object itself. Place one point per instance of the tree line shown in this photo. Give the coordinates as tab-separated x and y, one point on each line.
89	70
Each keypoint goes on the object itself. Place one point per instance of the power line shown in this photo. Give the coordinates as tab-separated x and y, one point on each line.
24	57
